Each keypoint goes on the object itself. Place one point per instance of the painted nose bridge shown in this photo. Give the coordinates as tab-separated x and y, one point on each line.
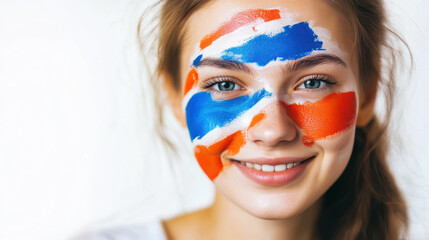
272	126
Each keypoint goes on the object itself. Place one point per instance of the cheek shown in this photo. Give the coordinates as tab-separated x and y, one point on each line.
209	157
209	119
327	117
214	127
336	155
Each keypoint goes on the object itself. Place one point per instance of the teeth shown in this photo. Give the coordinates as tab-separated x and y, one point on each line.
279	168
267	168
270	168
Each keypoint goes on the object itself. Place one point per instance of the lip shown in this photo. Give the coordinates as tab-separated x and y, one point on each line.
274	178
274	161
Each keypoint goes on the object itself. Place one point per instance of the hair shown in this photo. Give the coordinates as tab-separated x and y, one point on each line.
365	202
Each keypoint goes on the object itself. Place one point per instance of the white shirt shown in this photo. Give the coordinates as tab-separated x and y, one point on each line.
149	231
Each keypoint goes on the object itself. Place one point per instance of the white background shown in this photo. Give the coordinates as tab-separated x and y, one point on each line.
76	150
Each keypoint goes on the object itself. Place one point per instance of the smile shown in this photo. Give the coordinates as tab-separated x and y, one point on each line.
270	168
273	172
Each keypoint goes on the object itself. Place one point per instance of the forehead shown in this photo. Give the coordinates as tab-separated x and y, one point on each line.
219	14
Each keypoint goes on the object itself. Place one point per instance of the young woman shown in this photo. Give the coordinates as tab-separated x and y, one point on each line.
278	98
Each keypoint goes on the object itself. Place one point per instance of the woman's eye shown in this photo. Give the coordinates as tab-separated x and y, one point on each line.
312	84
226	86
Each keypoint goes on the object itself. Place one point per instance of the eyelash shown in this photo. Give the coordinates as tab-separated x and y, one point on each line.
213	81
323	78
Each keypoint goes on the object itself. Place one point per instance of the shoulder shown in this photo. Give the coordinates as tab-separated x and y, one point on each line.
152	231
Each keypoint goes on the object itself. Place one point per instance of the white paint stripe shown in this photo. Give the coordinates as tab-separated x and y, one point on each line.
240	123
188	96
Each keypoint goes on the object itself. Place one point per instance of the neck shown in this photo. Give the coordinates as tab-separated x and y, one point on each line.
228	221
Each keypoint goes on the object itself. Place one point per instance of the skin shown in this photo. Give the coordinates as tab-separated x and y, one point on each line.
244	209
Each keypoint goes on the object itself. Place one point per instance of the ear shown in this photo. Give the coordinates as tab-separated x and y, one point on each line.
367	104
174	98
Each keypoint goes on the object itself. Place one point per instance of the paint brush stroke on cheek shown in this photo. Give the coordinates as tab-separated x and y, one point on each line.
203	113
238	21
326	117
209	157
293	42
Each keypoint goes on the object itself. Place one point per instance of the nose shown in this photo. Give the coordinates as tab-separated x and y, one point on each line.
274	127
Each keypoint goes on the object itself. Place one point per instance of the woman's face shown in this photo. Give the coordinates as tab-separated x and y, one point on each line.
270	96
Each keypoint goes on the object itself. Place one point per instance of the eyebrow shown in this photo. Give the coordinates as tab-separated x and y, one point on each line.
297	65
224	64
312	61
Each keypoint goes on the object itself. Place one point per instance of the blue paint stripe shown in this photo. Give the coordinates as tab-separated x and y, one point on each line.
203	114
197	60
293	42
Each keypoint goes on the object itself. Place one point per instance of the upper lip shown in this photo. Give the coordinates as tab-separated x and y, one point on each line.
274	161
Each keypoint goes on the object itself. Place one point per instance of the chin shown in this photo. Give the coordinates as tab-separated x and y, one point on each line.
278	207
274	204
273	214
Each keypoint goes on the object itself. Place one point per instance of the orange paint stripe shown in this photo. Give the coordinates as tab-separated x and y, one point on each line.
238	21
323	118
237	143
307	141
256	119
208	161
209	157
191	80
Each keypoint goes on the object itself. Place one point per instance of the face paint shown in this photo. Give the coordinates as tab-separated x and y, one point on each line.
319	120
216	126
191	80
238	21
324	118
256	119
266	48
204	114
209	157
